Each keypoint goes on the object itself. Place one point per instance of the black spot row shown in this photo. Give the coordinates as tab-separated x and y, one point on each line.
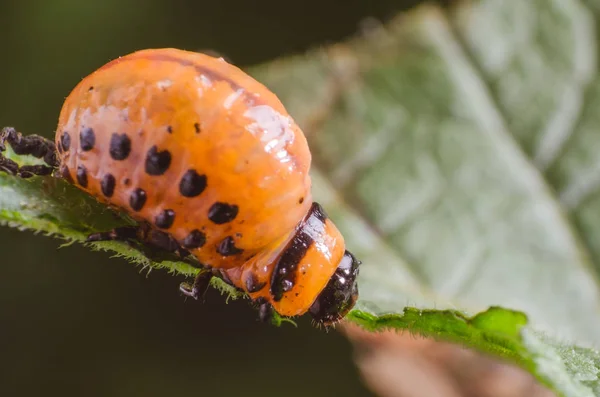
197	239
191	185
219	213
166	218
120	146
157	162
87	140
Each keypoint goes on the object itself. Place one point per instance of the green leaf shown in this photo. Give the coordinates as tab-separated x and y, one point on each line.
457	151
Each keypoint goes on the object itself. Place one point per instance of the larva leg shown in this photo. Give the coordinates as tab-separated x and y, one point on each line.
164	241
33	145
124	233
143	233
199	287
265	310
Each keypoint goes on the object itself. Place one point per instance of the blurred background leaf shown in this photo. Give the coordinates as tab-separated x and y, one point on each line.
464	145
423	159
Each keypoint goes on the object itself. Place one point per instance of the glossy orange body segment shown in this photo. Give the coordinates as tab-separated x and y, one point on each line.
314	271
312	274
211	118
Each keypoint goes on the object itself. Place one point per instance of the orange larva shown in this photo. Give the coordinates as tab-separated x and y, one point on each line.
210	163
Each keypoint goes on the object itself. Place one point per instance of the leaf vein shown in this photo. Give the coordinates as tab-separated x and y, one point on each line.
468	75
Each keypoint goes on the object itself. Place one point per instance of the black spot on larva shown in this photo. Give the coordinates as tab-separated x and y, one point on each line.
192	184
157	163
195	239
221	213
65	140
82	176
87	139
120	146
126	181
65	174
170	129
108	185
252	284
137	199
91	88
227	247
301	200
197	127
165	219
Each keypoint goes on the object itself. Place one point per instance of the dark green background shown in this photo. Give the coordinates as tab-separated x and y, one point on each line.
75	322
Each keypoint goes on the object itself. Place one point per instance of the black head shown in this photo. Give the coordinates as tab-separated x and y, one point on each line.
340	293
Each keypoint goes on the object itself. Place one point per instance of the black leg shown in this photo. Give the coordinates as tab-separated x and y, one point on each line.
143	233
164	241
33	145
8	166
199	287
123	233
265	310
